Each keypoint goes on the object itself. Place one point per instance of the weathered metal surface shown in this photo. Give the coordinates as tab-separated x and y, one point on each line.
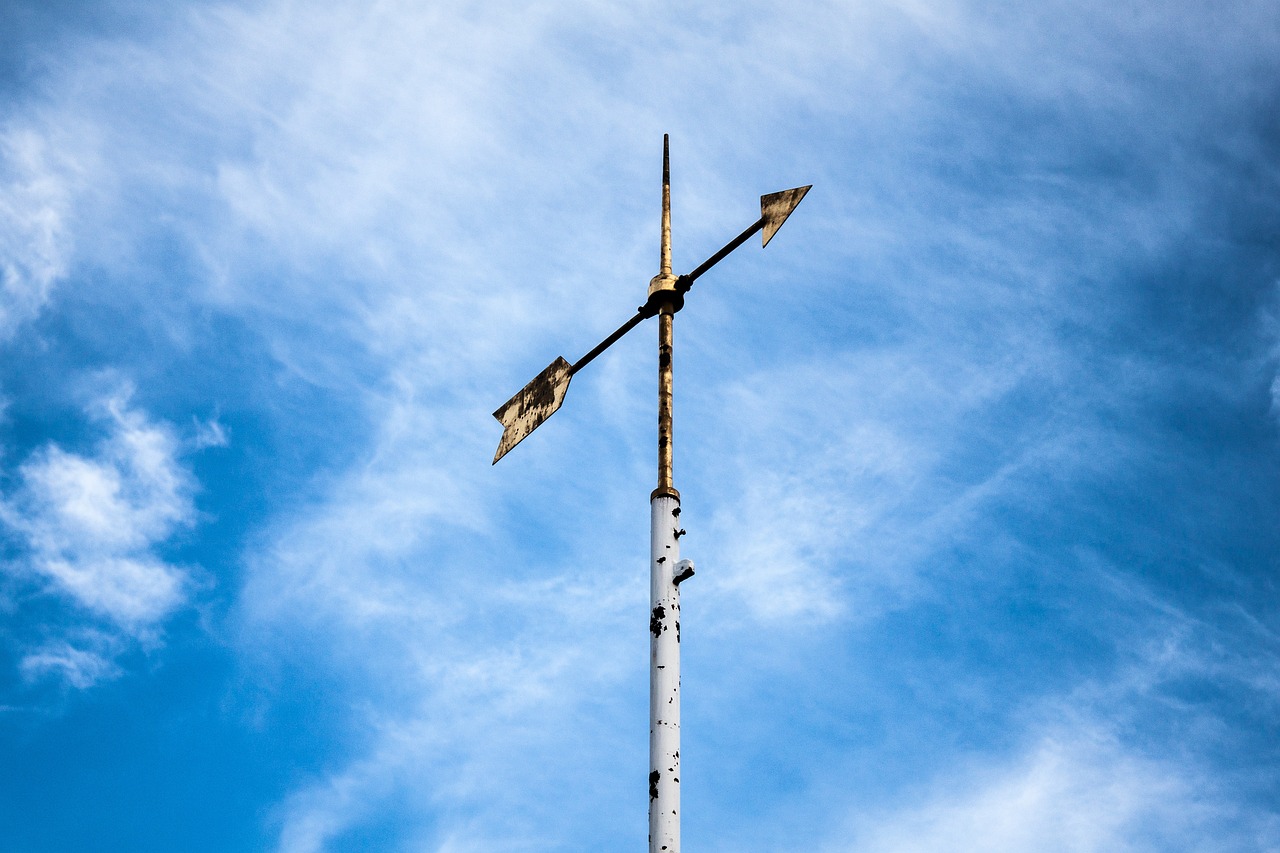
532	405
664	286
664	252
664	673
666	343
776	207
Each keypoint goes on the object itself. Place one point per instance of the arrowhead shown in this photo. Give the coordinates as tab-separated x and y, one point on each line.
532	405
776	207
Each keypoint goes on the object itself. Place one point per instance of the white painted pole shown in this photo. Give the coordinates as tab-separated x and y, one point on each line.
664	674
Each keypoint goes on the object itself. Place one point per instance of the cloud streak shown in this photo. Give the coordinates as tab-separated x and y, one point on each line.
34	235
1072	791
89	529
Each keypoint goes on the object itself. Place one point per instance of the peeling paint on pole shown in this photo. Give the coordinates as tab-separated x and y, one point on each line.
664	675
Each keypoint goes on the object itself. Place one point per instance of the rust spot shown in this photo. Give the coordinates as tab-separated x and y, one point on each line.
653	784
655	620
662	559
676	512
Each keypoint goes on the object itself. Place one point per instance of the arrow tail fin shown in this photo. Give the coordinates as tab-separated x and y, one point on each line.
532	405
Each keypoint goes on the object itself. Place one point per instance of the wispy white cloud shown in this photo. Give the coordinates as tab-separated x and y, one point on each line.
1072	790
1125	759
494	731
36	187
80	667
1169	645
88	528
210	433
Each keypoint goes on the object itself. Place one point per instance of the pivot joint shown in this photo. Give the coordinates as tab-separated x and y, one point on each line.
664	290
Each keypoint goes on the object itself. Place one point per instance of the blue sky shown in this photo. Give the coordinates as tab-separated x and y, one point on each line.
980	459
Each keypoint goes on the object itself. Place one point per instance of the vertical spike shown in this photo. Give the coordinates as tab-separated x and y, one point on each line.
665	264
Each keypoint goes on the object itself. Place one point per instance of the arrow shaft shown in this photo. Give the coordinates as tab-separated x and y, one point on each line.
606	343
686	281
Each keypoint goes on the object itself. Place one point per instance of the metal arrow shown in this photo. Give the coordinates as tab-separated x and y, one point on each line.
539	400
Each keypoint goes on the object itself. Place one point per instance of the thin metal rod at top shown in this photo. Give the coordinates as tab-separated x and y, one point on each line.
665	264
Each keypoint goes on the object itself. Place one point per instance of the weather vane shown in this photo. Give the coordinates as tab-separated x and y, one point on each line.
540	399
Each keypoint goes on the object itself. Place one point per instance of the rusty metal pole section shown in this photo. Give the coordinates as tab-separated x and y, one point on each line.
540	399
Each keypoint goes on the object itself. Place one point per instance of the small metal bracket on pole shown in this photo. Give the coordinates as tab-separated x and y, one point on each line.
539	400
